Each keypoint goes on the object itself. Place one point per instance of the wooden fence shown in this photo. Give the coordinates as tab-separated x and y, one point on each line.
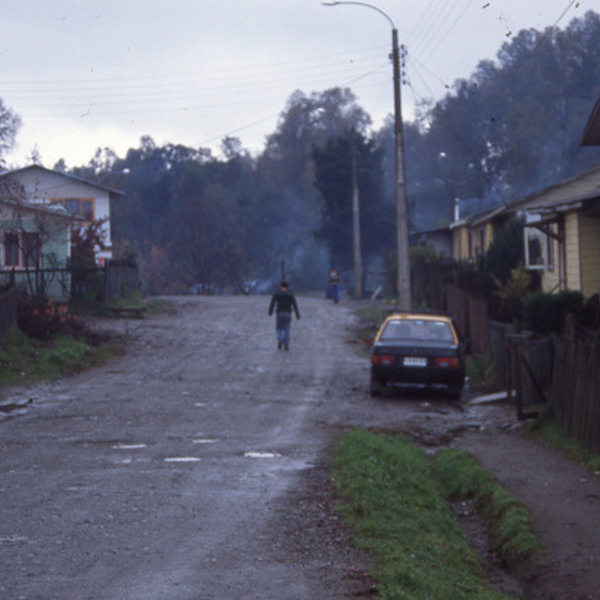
8	311
471	317
575	395
119	279
563	371
528	373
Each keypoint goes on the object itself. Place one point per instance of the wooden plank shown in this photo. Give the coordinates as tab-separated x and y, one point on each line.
128	311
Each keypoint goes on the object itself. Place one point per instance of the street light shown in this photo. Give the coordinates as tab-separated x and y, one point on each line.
403	279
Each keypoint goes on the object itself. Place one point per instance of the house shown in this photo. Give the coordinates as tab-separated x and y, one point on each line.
439	239
38	185
35	245
562	226
472	235
562	233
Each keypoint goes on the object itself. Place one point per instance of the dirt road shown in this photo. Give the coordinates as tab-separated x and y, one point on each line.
194	467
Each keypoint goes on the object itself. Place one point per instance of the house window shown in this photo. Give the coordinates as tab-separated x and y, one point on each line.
22	250
549	253
11	249
77	206
31	250
536	249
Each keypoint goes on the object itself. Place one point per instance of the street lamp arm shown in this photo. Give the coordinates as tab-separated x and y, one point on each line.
335	3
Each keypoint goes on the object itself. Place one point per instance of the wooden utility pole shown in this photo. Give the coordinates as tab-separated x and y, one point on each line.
403	279
356	228
403	283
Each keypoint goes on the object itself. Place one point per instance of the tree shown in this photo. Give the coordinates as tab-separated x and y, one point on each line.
10	123
512	127
286	170
334	179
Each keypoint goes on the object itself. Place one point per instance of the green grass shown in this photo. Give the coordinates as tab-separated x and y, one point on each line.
400	515
26	359
510	523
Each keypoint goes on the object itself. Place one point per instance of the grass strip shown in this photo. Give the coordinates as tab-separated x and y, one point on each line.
511	526
26	359
400	515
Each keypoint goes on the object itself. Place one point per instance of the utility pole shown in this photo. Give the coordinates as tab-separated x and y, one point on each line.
356	228
403	279
403	282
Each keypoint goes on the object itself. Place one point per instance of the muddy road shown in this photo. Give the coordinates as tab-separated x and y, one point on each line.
194	467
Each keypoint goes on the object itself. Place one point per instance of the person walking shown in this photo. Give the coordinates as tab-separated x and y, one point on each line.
334	285
283	301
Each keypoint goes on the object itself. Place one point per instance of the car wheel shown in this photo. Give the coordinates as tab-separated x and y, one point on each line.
376	385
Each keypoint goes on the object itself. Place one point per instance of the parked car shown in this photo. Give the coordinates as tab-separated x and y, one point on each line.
418	349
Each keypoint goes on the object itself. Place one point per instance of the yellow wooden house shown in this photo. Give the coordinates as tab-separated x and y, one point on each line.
472	235
562	233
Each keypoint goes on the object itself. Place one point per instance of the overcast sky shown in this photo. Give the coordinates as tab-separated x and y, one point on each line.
83	75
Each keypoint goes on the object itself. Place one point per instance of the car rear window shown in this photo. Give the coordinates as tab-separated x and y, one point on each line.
421	330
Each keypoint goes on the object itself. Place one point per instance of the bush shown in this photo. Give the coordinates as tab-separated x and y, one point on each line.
546	313
44	320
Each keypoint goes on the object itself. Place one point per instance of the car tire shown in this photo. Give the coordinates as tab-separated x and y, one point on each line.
376	385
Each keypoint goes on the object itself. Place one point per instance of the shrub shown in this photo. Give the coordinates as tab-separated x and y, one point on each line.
46	319
546	313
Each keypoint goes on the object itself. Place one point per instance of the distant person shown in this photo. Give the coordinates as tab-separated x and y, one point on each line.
285	301
334	285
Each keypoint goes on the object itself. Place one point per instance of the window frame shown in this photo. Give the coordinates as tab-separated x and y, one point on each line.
81	202
22	245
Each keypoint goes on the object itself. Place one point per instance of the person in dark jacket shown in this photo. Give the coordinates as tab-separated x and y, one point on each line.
334	285
285	302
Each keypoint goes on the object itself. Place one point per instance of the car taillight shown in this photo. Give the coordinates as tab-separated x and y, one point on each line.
447	361
383	359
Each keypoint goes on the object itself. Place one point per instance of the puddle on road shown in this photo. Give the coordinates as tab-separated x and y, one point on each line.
13	539
129	446
200	404
257	454
182	459
204	441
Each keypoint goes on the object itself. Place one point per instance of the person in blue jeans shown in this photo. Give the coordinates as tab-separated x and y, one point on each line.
283	301
334	285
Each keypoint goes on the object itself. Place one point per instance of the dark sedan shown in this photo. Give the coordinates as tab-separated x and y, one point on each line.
418	349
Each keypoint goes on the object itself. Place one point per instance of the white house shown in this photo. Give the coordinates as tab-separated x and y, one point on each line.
90	200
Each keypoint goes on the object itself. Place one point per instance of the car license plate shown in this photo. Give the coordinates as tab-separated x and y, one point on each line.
414	361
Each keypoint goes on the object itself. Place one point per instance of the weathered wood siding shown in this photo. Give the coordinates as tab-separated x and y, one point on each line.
589	236
573	257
